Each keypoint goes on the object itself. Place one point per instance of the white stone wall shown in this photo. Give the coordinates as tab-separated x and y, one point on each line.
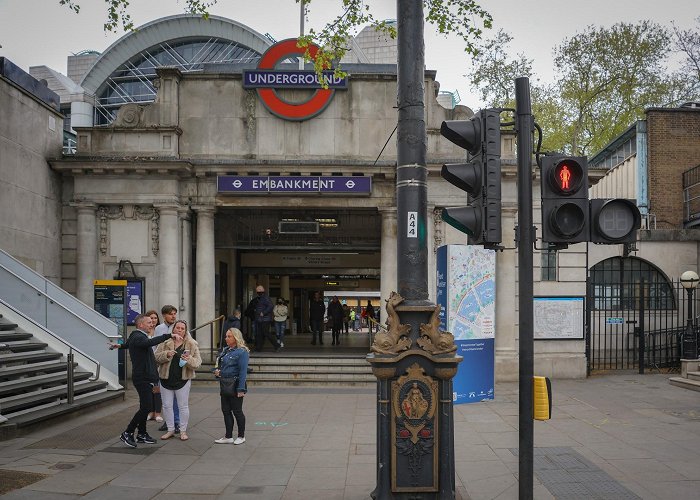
30	192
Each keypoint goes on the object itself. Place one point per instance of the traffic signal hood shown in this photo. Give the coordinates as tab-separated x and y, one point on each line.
479	176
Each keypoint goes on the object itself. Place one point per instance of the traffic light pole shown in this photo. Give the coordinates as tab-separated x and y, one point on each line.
525	241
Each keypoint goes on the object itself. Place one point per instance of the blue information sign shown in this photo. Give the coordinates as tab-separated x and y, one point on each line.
294	184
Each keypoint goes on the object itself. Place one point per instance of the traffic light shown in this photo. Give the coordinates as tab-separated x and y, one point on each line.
564	199
480	177
614	221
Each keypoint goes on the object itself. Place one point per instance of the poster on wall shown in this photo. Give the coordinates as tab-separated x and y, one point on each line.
134	299
466	294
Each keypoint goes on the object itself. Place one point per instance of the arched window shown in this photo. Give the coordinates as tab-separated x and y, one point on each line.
617	285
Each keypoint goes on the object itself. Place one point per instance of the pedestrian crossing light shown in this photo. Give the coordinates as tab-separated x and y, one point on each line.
614	221
564	183
479	177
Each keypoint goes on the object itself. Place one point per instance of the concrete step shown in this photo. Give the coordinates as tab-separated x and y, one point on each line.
32	383
694	375
8	336
32	368
7	326
17	403
686	383
15	358
23	346
271	382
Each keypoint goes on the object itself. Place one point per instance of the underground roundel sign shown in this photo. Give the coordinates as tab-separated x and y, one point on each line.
266	80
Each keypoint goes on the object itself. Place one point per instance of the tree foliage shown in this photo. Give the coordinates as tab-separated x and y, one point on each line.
606	78
462	18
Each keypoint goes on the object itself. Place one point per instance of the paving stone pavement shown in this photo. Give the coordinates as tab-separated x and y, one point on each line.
615	436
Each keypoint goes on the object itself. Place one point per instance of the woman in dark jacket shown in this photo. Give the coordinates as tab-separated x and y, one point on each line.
335	314
233	363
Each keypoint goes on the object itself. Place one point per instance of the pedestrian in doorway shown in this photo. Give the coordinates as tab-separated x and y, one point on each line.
280	313
353	316
233	321
263	320
231	370
317	309
346	318
358	318
335	314
177	359
169	313
369	312
144	375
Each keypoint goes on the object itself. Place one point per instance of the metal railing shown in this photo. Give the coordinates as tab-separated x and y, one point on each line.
213	337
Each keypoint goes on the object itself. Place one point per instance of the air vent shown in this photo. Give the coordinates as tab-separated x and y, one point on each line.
297	227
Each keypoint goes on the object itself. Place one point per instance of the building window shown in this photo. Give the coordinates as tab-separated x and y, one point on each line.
617	285
548	265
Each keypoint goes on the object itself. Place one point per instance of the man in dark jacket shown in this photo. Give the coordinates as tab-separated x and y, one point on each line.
316	311
233	321
144	375
263	319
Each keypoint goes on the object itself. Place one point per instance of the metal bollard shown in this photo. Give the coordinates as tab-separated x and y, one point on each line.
70	379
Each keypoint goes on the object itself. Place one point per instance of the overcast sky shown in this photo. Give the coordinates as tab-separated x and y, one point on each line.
41	32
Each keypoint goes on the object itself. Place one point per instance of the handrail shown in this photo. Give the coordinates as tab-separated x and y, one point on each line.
212	348
41	292
70	346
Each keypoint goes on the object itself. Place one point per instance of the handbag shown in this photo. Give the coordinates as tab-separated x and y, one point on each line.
228	386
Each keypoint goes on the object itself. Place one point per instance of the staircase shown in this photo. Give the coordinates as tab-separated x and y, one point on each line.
281	369
690	375
34	382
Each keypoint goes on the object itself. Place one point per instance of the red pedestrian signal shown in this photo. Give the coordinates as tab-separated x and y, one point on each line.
564	199
566	177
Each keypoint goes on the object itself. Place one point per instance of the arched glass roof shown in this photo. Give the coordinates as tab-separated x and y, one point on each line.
125	72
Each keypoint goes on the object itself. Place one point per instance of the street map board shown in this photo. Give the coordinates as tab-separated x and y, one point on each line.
559	317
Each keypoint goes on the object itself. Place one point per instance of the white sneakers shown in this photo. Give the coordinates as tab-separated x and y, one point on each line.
225	440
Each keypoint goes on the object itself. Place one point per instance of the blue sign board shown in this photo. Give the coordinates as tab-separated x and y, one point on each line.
293	184
298	79
466	286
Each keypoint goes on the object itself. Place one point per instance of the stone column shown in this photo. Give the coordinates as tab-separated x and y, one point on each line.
204	290
185	307
87	252
388	282
168	256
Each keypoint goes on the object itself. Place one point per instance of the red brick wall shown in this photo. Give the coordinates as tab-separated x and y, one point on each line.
673	147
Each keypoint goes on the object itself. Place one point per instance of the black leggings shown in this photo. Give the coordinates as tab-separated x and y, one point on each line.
232	406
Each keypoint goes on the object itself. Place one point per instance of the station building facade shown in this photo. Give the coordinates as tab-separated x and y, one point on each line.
166	133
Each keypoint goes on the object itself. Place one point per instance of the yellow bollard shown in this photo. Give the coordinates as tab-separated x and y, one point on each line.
542	396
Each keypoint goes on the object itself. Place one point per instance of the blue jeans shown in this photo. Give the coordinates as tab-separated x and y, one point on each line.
279	330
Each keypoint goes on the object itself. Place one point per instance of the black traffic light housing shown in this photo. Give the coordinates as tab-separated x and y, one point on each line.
565	211
480	177
614	221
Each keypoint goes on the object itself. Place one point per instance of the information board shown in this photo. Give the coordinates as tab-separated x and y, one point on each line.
559	317
110	301
134	299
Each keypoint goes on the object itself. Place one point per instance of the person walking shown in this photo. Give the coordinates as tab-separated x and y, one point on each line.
231	370
280	313
353	319
144	376
263	319
346	318
317	309
177	361
369	311
335	314
169	313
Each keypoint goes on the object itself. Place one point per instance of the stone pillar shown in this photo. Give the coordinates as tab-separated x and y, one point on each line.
204	291
87	252
185	307
168	257
388	253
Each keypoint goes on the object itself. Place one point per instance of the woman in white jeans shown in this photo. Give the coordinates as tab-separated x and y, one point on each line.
177	362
